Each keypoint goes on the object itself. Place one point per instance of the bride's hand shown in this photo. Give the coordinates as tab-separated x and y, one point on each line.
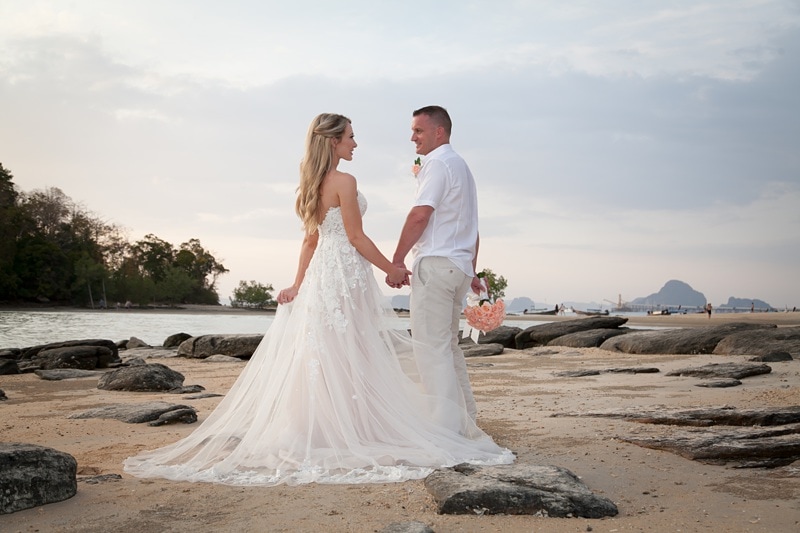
287	295
398	277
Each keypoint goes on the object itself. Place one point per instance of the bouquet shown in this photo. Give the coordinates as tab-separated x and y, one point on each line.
483	314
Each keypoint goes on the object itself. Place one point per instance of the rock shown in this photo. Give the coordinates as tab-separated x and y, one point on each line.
204	395
590	372
758	342
66	373
134	361
719	384
407	527
241	346
515	489
743	438
29	353
143	412
10	353
576	373
678	340
94	480
482	350
723	370
186	415
709	416
151	353
143	378
8	367
747	447
135	342
31	476
541	335
82	357
191	389
175	340
504	335
221	359
587	339
3	395
773	357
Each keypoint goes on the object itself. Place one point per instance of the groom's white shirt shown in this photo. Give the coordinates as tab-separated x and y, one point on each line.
445	183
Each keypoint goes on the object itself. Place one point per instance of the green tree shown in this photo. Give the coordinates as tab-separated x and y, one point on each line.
497	284
252	294
9	231
200	265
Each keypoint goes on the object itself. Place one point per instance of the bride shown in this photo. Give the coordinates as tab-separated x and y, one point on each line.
332	394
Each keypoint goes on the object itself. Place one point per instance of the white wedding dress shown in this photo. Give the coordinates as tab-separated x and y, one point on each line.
330	395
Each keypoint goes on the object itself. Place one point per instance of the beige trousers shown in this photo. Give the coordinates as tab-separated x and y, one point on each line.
438	289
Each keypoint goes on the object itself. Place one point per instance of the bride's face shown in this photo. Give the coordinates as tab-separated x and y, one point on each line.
343	147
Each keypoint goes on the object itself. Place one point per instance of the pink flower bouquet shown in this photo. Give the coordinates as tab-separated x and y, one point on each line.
485	316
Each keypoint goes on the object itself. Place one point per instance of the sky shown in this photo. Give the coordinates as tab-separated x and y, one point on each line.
616	145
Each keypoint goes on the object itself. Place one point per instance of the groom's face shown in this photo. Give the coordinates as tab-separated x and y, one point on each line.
424	134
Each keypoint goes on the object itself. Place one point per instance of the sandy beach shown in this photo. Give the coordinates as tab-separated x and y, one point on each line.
517	394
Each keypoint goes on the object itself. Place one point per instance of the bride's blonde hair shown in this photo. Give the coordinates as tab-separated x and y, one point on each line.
316	164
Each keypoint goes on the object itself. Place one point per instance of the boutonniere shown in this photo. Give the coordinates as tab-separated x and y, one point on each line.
416	167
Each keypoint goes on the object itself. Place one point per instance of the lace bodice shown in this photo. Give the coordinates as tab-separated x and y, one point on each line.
333	257
332	226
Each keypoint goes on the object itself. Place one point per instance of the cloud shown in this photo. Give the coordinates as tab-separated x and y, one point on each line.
613	148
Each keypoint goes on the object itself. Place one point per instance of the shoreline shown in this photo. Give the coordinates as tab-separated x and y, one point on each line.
778	318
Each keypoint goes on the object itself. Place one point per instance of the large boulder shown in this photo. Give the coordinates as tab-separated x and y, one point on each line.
761	342
515	489
678	341
155	413
27	353
142	378
8	366
241	346
31	476
175	340
482	350
105	358
541	335
587	339
504	335
81	357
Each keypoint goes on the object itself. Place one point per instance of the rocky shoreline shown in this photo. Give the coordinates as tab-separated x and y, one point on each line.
577	399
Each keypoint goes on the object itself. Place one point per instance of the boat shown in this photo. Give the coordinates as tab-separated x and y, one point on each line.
540	312
591	312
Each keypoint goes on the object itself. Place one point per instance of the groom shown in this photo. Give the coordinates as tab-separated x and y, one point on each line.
442	231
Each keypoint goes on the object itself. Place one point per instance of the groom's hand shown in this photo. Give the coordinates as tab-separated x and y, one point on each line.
399	277
477	286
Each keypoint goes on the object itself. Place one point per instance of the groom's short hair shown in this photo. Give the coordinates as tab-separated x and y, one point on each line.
438	115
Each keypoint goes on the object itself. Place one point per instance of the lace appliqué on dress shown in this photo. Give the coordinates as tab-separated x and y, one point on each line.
336	256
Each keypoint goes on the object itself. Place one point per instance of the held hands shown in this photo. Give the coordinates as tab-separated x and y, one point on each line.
287	295
398	276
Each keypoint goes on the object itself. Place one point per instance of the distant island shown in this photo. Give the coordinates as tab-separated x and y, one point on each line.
675	295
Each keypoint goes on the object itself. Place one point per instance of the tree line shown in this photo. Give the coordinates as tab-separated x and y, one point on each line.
53	249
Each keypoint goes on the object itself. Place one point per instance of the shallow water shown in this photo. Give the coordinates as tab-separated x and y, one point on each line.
28	328
20	329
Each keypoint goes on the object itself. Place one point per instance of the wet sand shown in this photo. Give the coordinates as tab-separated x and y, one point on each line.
517	394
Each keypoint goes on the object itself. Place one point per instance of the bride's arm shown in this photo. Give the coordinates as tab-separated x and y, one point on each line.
351	216
306	252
